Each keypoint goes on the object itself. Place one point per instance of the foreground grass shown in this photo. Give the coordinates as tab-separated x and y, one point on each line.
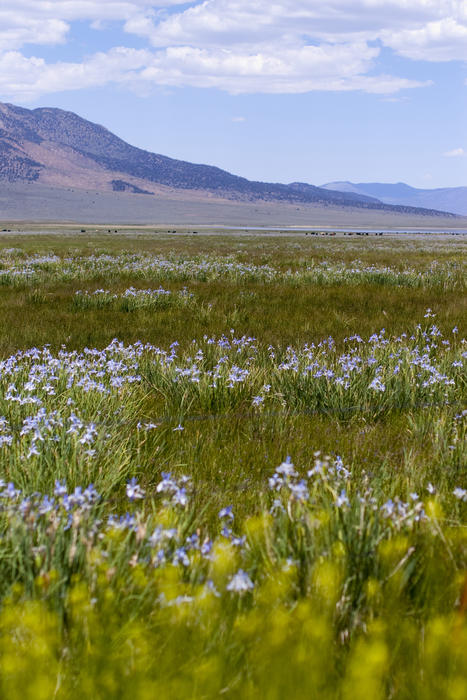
204	561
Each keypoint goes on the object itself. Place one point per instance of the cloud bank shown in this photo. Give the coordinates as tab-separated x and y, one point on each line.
286	46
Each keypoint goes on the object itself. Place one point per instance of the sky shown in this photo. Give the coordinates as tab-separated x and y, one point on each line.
276	90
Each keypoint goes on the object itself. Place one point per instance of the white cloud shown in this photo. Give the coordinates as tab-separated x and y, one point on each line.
456	152
44	22
238	119
328	67
285	46
25	79
308	68
444	40
242	22
14	34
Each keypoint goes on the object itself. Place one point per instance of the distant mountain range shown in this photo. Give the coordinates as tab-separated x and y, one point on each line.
59	149
452	199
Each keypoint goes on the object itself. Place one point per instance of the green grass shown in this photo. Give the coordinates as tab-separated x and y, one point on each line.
356	578
282	311
275	314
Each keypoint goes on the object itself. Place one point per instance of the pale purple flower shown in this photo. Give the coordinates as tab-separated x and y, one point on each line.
286	468
133	490
240	583
226	512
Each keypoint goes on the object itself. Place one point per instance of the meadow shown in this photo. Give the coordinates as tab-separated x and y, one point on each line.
233	466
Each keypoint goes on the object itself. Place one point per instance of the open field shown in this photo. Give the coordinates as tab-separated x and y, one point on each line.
37	202
233	466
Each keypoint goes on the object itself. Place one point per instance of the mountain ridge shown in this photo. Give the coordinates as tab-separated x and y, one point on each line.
453	199
60	148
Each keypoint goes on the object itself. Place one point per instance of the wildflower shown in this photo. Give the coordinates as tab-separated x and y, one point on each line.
238	541
167	484
60	488
206	548
33	450
342	499
388	508
377	385
286	468
275	482
156	537
181	599
159	535
240	583
133	490
277	507
46	505
299	490
180	498
461	494
180	557
10	492
89	435
77	498
25	506
226	512
192	541
211	588
179	428
125	522
91	494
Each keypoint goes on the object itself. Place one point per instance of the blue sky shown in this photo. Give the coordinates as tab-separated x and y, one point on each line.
361	90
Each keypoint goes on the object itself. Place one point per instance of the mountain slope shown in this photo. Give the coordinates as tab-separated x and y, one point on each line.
452	199
61	149
305	188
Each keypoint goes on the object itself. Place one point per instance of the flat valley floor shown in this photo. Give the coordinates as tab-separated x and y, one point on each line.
37	202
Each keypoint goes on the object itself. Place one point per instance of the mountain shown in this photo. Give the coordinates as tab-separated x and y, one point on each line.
304	188
452	199
60	149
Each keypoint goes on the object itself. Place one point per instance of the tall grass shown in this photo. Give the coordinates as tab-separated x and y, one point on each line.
132	299
20	270
275	513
